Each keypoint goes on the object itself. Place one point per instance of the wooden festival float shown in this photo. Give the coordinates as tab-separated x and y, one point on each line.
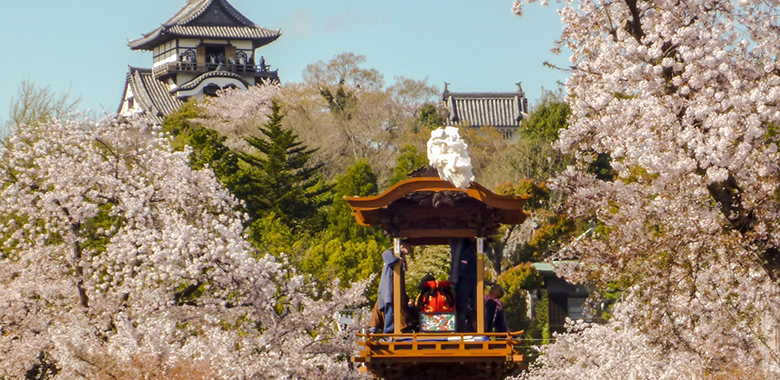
430	211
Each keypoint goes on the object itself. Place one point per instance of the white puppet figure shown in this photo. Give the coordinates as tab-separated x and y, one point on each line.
449	154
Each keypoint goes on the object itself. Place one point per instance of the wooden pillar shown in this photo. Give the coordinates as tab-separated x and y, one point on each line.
200	57
397	287
480	285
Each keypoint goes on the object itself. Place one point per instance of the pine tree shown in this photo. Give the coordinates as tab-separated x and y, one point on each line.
278	178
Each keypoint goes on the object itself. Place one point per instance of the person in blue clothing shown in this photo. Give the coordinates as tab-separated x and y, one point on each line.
384	302
463	275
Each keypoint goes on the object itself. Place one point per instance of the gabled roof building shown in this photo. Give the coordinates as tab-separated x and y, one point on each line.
208	45
502	110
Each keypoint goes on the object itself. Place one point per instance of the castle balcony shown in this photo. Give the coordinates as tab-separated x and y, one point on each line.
257	71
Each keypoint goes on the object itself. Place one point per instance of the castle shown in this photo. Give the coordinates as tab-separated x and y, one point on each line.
207	46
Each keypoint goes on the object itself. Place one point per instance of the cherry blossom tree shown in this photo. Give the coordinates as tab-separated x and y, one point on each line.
236	113
118	261
683	97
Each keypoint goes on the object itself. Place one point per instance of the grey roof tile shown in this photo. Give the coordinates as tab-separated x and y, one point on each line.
229	23
243	32
497	109
152	95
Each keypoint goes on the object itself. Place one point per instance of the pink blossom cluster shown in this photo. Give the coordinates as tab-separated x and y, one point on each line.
118	261
684	97
237	113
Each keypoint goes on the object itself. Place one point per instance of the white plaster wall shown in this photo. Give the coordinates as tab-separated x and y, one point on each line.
188	43
125	110
184	77
242	45
158	51
214	42
171	57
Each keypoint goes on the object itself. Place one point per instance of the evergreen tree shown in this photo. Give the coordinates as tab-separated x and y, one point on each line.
278	178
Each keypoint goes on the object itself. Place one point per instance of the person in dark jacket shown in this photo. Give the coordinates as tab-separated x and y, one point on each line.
384	302
463	275
495	318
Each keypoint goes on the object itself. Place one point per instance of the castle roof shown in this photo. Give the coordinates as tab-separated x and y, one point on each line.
497	109
152	95
212	74
207	19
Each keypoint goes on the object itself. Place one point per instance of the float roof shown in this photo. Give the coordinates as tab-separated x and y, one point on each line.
428	210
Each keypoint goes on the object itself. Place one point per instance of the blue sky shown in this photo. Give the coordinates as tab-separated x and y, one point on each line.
476	45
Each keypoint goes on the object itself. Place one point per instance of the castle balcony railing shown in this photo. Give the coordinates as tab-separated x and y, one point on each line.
180	67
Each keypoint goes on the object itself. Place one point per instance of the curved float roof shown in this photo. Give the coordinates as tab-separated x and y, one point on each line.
429	210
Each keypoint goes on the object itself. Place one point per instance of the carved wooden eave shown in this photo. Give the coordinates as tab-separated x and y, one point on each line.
430	210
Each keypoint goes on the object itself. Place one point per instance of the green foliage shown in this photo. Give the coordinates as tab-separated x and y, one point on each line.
430	117
348	261
347	251
608	298
549	237
771	130
360	180
97	231
538	194
277	179
516	281
638	174
408	161
532	156
180	123
339	100
601	167
271	236
434	260
548	117
540	328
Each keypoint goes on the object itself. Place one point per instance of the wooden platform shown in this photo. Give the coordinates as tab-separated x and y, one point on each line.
446	356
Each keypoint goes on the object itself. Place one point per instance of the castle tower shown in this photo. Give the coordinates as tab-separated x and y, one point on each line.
208	45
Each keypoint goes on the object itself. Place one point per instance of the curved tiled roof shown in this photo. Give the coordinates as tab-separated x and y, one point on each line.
192	21
222	32
196	8
211	74
497	109
151	95
409	209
